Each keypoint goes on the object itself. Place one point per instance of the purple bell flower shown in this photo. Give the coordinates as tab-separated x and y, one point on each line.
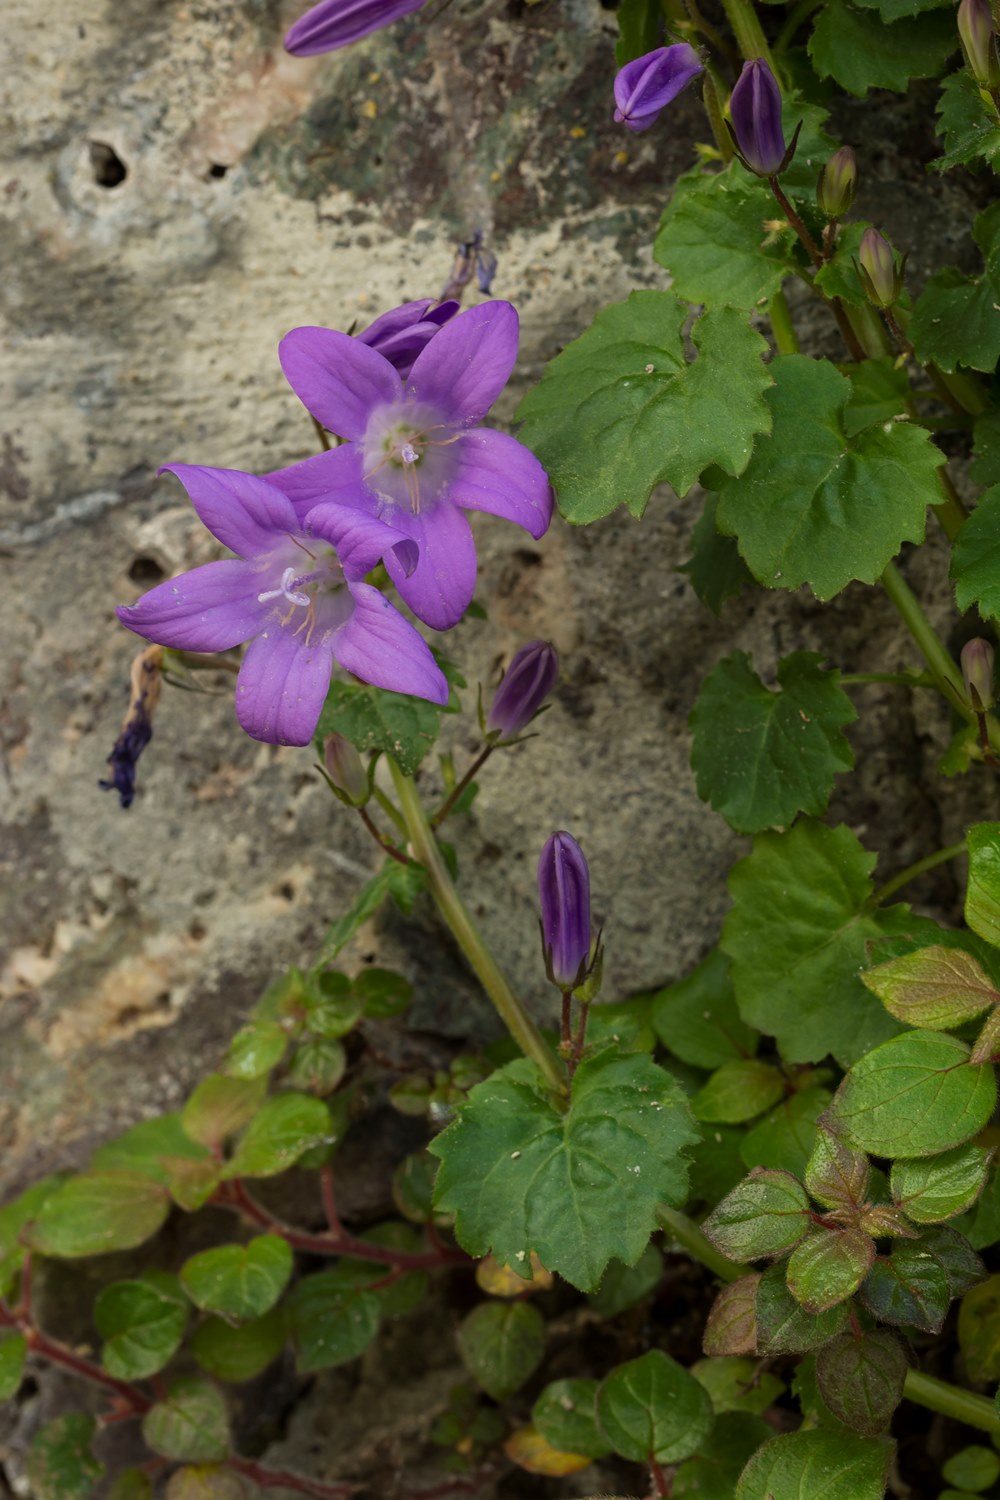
755	110
400	335
526	684
295	591
564	894
337	23
644	87
415	456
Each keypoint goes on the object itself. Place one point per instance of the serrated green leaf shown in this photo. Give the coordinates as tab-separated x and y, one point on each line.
623	1286
651	1408
784	1326
880	390
834	1465
738	1091
982	896
828	1267
860	52
985	466
579	1187
916	1095
374	719
651	417
697	1018
976	557
979	1330
786	1137
931	1190
798	934
761	756
239	1282
967	124
283	1128
502	1344
714	1472
736	1384
816	506
61	1465
328	1324
13	1349
764	1215
715	569
220	1106
238	1354
142	1323
731	1327
955	319
98	1212
936	988
861	1378
908	1288
190	1425
717	240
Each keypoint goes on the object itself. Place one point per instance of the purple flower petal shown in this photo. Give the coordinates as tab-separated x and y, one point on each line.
360	540
465	367
244	512
337	475
440	588
644	87
283	684
380	647
336	23
209	609
499	475
400	335
337	378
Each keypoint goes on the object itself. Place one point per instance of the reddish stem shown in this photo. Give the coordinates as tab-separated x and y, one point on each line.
60	1354
660	1480
381	838
273	1479
449	802
330	1200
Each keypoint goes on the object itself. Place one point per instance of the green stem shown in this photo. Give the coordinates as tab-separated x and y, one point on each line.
942	668
904	679
451	906
797	15
929	862
747	29
460	786
389	808
690	1238
785	339
712	93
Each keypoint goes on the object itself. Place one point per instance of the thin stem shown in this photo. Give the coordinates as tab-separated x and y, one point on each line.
281	1479
449	802
903	679
712	36
712	92
381	838
389	808
195	661
690	1238
929	862
451	906
565	1034
785	338
747	29
581	1037
951	1401
59	1354
942	668
813	251
661	1483
330	1200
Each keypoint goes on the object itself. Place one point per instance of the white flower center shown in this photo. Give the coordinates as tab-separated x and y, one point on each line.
407	454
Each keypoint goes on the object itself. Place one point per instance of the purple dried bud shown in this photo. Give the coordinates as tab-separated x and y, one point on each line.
837	183
337	23
975	28
564	893
977	669
400	335
755	110
137	726
880	276
526	684
344	767
646	86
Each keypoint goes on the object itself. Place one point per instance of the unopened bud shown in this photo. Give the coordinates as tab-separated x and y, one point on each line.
344	767
564	894
881	278
755	111
526	684
837	183
979	43
644	87
977	669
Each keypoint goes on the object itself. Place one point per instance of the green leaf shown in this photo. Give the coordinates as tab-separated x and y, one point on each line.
738	1091
715	240
715	569
985	466
955	321
220	1106
975	1468
142	1323
239	1282
916	1095
861	1378
834	1465
697	1018
929	1191
566	1416
97	1213
149	1149
317	1065
976	557
13	1349
238	1354
981	1225
204	1482
979	1330
714	1473
797	936
651	1408
936	988
651	417
731	1327
860	52
14	1219
133	1484
785	1327
283	1128
837	1176
192	1183
717	1163
190	1425
374	719
579	1188
502	1344
908	1288
403	882
60	1463
982	896
880	391
736	1384
256	1049
331	1005
622	1287
967	124
764	1215
962	1266
828	1267
786	1137
328	1324
638	30
816	506
382	993
761	756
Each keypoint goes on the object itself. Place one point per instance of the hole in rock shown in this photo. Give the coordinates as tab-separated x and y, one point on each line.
217	169
108	167
145	570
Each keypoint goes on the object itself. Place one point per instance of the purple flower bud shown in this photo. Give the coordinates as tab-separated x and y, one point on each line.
646	86
336	23
977	669
564	893
881	278
345	770
401	334
526	684
837	182
975	28
137	726
755	110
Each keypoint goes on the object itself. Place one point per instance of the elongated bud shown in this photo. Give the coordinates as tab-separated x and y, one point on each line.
881	278
564	894
526	684
975	28
644	87
977	669
344	767
755	111
837	183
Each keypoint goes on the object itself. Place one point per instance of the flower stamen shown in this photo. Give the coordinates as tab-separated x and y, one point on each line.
285	591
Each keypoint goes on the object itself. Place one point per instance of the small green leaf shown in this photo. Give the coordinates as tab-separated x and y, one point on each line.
328	1324
715	569
14	1219
238	1354
982	896
739	1090
651	1408
837	1176
916	1095
502	1344
190	1425
962	1266
317	1065
142	1323
732	1321
147	1147
930	1190
764	1215
861	1378
403	883
256	1049
204	1482
967	124
220	1106
97	1213
937	988
239	1282
382	993
736	1384
828	1267
975	1468
331	1005
785	1327
836	1465
60	1463
697	1018
191	1183
860	52
761	756
13	1349
374	719
622	1287
979	1330
714	1472
786	1137
283	1128
566	1416
654	417
908	1288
